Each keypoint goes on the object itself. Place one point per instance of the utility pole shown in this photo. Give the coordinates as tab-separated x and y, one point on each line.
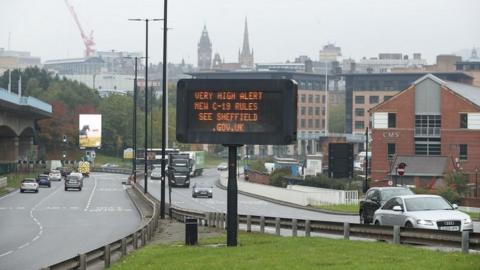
164	110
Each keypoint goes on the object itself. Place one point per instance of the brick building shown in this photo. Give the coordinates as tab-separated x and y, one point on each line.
433	126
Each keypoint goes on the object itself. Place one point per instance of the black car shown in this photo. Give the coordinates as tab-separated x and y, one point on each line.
376	197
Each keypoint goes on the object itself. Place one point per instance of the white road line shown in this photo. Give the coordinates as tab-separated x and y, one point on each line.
24	245
6	253
35	238
91	195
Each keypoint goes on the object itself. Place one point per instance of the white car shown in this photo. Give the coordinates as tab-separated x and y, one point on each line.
222	166
29	184
156	174
55	175
423	211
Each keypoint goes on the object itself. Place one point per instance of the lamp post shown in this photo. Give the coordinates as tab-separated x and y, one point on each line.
145	145
164	110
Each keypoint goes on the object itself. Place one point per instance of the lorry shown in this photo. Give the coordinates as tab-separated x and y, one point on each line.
197	162
84	168
178	172
53	164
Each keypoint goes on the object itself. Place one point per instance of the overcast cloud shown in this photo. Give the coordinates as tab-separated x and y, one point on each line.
279	29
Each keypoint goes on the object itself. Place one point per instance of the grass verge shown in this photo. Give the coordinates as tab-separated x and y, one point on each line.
343	208
260	251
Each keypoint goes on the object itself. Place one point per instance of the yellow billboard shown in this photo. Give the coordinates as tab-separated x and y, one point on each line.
90	130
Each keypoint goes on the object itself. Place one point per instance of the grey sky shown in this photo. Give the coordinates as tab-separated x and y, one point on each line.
279	29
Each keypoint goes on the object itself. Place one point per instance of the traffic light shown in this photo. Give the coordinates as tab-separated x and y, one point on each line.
64	138
64	154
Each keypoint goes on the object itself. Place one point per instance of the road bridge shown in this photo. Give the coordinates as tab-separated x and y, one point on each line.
18	115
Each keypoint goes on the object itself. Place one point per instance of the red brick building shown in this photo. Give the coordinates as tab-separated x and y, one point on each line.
433	126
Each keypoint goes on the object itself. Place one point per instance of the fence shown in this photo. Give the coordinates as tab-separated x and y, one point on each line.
398	235
324	196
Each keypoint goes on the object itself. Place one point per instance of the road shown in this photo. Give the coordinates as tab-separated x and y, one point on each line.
39	229
182	197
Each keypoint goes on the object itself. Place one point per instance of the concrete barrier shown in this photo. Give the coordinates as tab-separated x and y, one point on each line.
3	182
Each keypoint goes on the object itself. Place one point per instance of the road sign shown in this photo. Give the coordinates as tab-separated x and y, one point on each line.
401	168
390	182
235	112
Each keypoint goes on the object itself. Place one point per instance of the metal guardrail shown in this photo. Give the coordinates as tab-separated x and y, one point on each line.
117	248
398	235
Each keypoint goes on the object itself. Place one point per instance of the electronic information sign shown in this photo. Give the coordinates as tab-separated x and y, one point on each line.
237	111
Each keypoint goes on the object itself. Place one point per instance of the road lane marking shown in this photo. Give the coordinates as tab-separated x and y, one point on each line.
24	245
91	195
6	253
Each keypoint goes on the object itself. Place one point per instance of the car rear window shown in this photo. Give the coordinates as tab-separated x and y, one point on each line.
28	181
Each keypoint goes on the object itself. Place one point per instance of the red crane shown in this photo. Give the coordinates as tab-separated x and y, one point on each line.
87	40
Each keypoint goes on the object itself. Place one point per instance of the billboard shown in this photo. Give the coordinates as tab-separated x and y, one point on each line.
246	111
90	130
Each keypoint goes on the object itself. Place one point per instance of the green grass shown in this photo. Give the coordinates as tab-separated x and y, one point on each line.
101	159
473	215
256	251
344	208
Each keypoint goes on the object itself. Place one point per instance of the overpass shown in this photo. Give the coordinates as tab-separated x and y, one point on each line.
18	115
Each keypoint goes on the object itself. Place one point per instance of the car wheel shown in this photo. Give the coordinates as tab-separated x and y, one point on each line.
210	196
79	189
194	196
408	225
377	222
21	190
66	188
362	218
36	191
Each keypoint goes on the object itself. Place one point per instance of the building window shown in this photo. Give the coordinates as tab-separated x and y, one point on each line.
317	111
302	123
427	125
463	155
359	125
310	123
390	151
463	120
385	98
392	120
310	110
302	110
317	123
323	99
303	98
359	100
317	98
428	146
359	112
310	98
374	99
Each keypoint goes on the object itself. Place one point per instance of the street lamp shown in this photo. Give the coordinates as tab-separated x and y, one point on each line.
146	99
164	111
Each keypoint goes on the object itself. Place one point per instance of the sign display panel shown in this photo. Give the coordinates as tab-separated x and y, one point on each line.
236	111
90	130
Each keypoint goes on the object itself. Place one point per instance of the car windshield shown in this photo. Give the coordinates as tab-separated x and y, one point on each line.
427	203
390	193
202	186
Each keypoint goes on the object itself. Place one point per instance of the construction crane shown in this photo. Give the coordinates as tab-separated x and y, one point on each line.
87	40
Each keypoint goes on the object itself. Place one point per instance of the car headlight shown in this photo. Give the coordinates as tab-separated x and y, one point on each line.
467	221
425	222
195	190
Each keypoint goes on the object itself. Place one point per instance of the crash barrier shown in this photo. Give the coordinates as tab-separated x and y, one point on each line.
116	249
397	235
111	170
299	197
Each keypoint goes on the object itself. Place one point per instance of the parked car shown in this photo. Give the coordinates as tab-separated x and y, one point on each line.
222	166
202	190
43	180
74	180
423	211
375	198
29	184
109	165
156	174
54	175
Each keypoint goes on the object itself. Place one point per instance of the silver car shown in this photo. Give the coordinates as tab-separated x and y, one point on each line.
423	211
55	175
202	190
156	174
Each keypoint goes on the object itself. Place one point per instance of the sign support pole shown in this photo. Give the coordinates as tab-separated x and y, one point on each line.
232	197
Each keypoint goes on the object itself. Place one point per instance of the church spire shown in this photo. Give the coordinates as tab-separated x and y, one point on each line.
245	56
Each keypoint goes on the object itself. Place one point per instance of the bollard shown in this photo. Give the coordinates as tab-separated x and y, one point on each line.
217	220
307	227
106	256
294	227
277	226
346	230
222	220
143	236
191	231
124	247
82	259
465	241
396	234
262	224
249	223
